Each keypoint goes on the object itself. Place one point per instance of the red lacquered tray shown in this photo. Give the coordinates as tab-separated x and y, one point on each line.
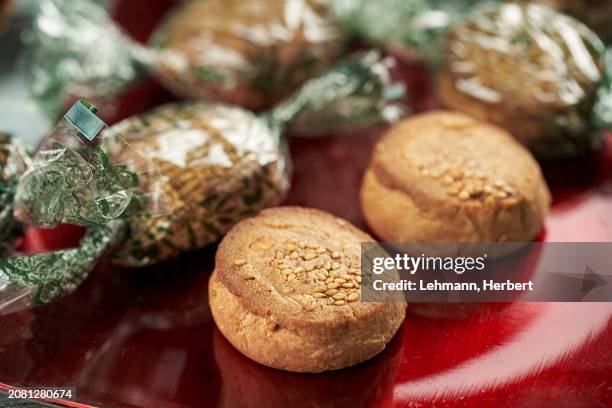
146	337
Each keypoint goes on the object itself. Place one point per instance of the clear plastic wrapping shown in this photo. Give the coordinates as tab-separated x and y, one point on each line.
250	53
167	181
220	163
597	14
416	28
13	161
530	70
70	179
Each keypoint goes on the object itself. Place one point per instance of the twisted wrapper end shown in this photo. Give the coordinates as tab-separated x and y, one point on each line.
32	280
70	180
355	93
76	50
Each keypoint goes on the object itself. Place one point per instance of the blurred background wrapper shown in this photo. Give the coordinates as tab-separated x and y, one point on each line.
248	53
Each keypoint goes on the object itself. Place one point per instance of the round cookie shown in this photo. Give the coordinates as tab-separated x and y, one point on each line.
285	292
447	177
528	69
252	53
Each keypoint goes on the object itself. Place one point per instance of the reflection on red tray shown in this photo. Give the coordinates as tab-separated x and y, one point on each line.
146	337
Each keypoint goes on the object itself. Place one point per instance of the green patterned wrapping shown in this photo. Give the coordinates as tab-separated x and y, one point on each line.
73	181
70	179
530	70
13	161
250	53
31	280
357	92
78	51
220	164
417	28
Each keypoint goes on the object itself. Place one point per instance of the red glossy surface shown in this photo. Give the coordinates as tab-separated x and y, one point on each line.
146	338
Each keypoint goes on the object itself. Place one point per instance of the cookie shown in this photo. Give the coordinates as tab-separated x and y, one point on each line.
447	177
528	69
213	164
250	53
286	292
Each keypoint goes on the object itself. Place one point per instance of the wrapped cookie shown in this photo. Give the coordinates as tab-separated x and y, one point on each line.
220	163
535	72
414	28
530	70
249	53
171	180
70	179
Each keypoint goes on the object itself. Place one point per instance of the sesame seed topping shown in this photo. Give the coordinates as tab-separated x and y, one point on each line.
240	262
326	277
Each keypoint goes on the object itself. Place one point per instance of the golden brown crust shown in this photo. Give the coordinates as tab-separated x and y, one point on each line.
523	74
446	177
313	326
246	53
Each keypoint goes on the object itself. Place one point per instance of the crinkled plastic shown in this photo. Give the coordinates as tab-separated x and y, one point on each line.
250	53
525	67
213	165
13	161
220	163
78	51
69	179
530	70
72	180
597	14
417	28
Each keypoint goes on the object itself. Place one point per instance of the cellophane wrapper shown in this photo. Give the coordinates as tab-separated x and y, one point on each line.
220	164
530	70
416	29
71	179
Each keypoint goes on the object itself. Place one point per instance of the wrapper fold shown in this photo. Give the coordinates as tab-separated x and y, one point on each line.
251	53
173	179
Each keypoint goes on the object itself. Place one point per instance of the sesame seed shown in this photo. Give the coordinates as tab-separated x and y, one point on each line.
319	289
339	302
331	292
339	296
240	262
287	289
347	285
335	255
353	297
302	244
333	285
309	256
